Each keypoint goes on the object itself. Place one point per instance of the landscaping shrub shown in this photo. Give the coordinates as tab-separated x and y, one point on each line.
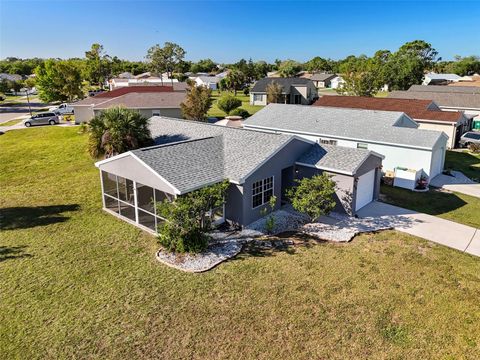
240	112
474	148
313	196
188	218
228	102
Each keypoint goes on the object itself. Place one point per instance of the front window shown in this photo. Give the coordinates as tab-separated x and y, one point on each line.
257	97
262	191
155	112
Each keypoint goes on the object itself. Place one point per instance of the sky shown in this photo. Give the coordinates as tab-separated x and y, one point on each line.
226	31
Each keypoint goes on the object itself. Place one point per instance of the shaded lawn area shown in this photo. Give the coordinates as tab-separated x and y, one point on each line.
457	207
79	283
467	163
216	112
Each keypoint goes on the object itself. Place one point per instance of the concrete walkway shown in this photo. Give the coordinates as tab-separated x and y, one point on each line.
458	182
441	231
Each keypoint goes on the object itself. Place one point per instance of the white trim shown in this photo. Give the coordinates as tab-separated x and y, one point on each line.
101	185
104	161
271	129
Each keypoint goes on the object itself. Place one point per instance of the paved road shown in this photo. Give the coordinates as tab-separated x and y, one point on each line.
441	231
13	111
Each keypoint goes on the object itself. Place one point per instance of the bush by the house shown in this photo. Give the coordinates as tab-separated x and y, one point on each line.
189	217
474	148
240	112
313	196
228	102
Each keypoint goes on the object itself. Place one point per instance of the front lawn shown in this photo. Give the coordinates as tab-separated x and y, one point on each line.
457	207
79	283
466	162
216	112
10	122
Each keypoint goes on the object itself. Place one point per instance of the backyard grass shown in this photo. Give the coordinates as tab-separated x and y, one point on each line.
454	206
216	112
466	162
79	283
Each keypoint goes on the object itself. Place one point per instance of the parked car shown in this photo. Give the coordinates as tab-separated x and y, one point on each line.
46	118
95	92
470	137
62	109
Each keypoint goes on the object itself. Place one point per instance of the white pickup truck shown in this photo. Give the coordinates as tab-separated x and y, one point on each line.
62	109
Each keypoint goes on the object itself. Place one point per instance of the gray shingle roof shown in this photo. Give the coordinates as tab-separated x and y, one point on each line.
449	99
341	158
286	83
322	77
446	89
355	124
434	76
187	165
243	150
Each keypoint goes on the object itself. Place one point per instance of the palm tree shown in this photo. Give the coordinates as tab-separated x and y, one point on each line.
117	130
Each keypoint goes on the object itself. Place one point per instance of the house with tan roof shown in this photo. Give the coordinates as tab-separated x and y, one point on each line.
147	100
426	113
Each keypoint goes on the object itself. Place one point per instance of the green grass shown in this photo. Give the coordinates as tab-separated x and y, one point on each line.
466	162
454	206
216	112
10	122
79	283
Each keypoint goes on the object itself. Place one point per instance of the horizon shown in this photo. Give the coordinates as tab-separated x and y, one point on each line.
365	27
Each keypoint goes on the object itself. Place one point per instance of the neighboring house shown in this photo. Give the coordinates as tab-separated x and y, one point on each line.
322	80
449	98
336	82
148	100
210	82
295	91
467	81
392	134
440	79
141	80
10	77
190	155
126	75
425	112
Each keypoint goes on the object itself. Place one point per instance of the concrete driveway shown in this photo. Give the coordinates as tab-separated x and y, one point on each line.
457	182
441	231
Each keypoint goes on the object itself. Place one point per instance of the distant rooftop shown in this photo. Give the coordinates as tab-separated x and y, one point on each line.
286	83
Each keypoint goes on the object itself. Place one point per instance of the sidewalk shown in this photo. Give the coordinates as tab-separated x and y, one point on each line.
458	182
444	232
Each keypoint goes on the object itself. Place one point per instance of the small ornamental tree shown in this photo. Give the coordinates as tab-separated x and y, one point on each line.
313	196
189	217
197	103
274	92
227	103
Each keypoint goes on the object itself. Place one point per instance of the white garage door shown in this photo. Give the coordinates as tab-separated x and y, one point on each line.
365	186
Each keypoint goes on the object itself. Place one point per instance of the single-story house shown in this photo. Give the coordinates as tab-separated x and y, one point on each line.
189	155
295	90
210	82
322	80
148	100
392	134
141	79
426	113
449	98
440	79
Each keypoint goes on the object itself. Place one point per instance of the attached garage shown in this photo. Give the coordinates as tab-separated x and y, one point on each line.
365	189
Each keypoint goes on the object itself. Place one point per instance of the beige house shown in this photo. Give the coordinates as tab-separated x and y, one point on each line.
295	91
148	100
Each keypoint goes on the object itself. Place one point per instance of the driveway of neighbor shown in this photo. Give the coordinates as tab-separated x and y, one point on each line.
461	237
458	182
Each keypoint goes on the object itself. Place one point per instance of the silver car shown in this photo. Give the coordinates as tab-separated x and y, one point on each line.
471	137
46	118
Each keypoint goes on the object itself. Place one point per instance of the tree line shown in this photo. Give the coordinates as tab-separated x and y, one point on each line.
66	80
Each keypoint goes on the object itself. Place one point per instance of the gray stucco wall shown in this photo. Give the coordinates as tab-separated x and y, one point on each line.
283	159
234	204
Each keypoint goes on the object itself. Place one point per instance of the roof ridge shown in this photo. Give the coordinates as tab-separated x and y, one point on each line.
179	142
